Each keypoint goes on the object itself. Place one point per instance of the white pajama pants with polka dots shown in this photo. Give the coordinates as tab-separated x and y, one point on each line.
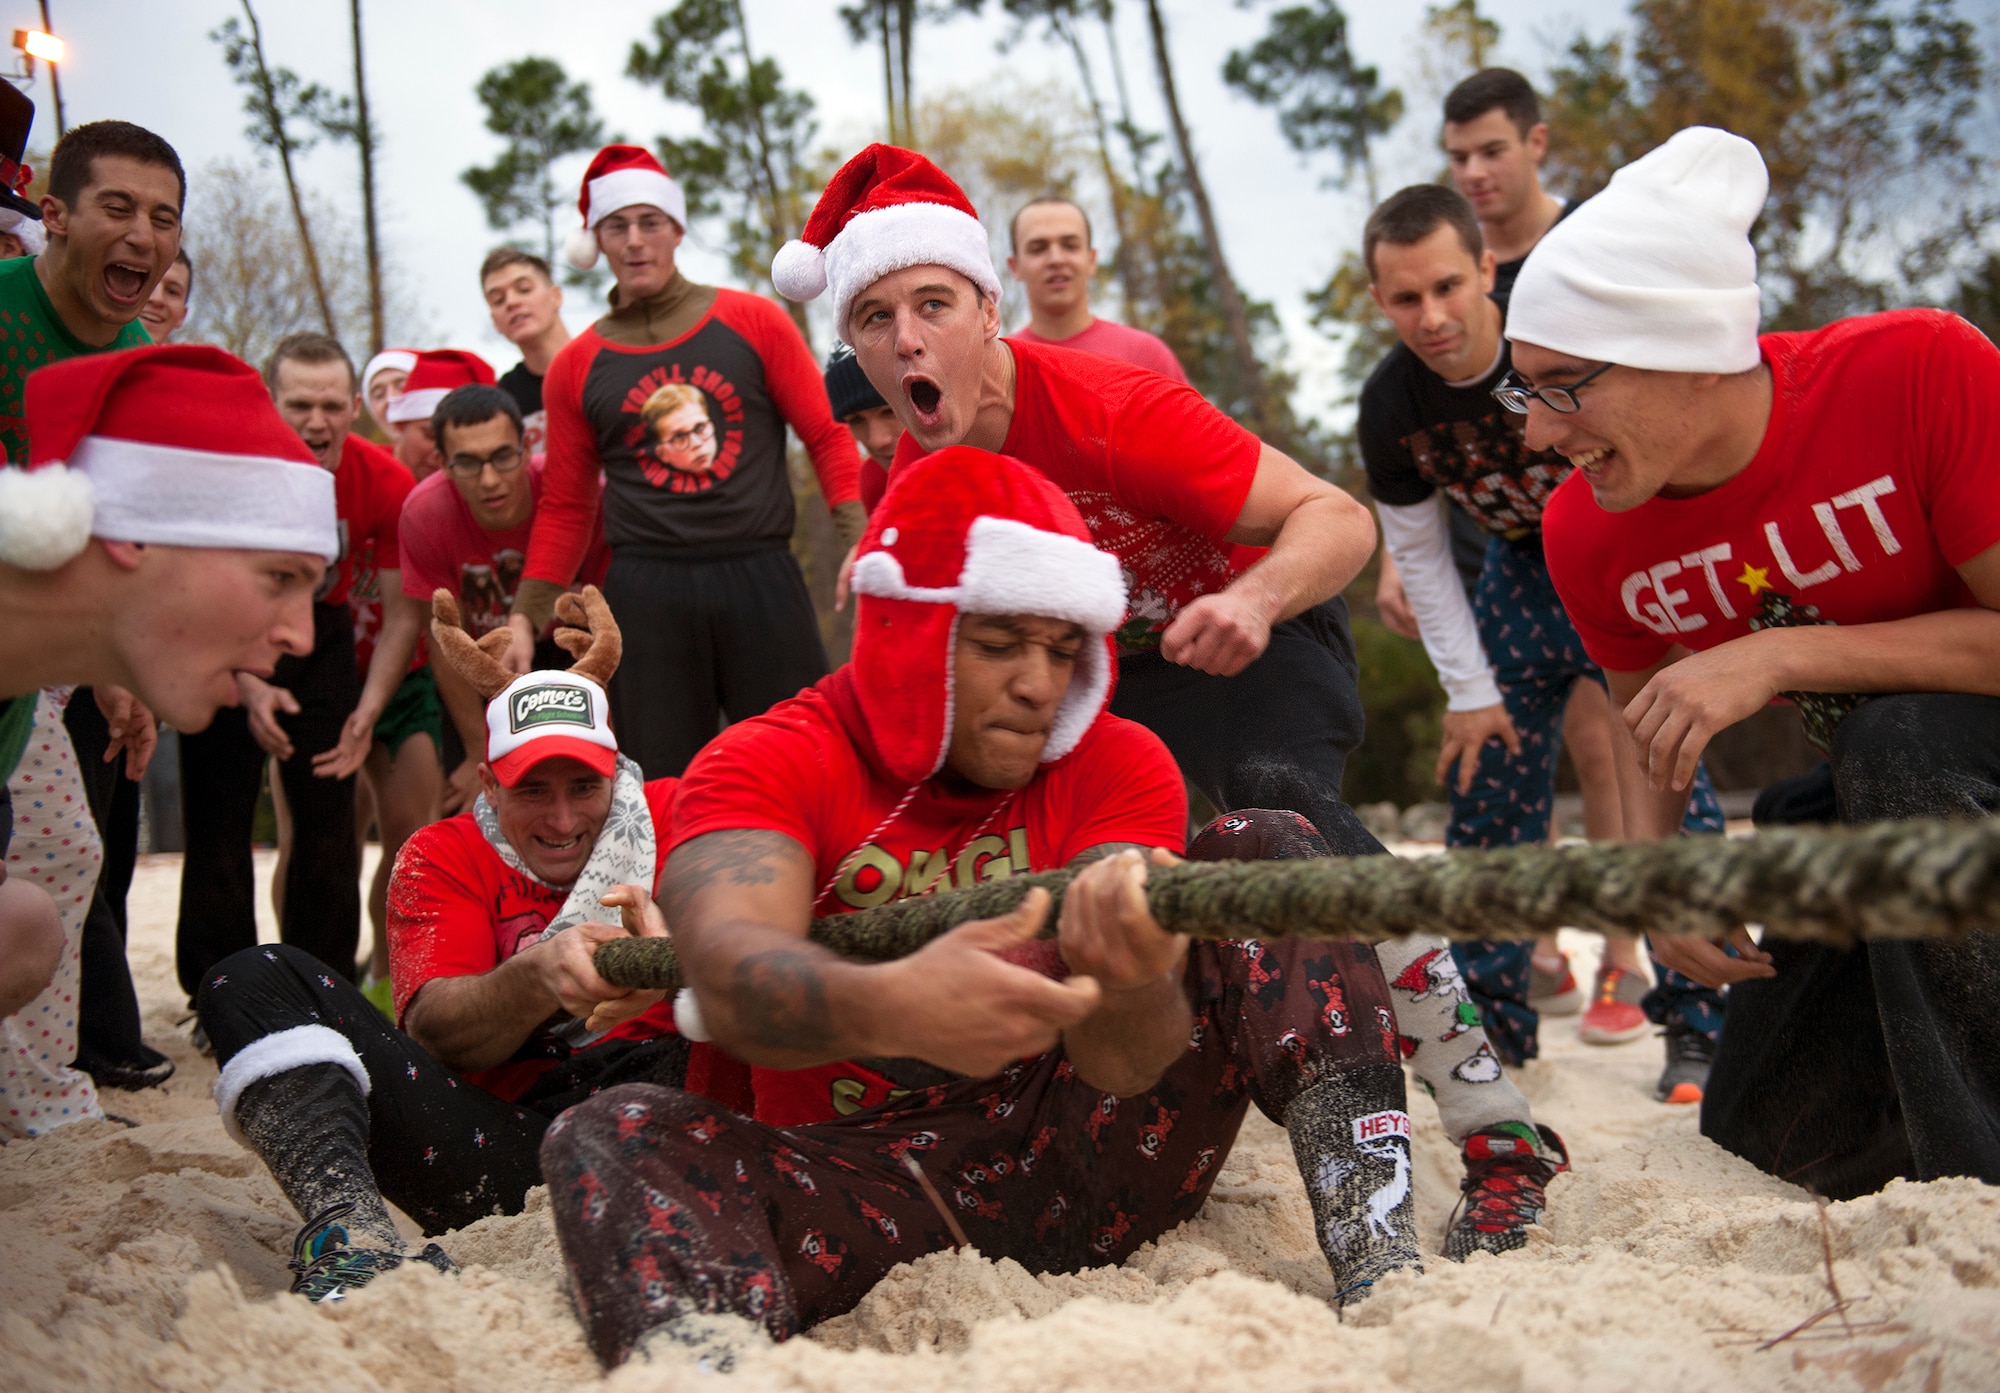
55	846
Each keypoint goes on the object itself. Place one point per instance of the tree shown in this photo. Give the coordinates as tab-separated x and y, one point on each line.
750	171
276	101
1004	146
894	22
364	140
1325	100
251	285
1860	108
1261	412
543	116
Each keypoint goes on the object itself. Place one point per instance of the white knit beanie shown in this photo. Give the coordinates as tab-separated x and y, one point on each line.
1657	271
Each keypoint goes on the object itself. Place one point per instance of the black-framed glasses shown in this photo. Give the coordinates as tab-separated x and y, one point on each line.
504	460
1514	394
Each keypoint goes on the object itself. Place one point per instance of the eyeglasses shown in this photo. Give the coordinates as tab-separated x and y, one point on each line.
693	435
652	225
504	460
1514	394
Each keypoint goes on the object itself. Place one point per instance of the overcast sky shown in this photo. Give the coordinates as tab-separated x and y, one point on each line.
155	64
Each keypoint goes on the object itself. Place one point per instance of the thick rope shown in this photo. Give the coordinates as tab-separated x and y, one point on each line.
1836	886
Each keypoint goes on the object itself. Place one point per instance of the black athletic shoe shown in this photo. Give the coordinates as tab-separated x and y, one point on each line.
1507	1171
1689	1053
326	1269
150	1070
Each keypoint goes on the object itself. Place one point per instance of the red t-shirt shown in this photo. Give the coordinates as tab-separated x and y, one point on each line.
1120	341
801	769
1879	472
368	493
369	489
457	910
444	546
1159	474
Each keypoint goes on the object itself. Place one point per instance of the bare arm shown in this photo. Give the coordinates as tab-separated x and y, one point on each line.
479	1021
402	623
741	905
1680	709
1319	539
464	710
1107	933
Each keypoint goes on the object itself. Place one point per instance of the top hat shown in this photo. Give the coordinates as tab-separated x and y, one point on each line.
17	114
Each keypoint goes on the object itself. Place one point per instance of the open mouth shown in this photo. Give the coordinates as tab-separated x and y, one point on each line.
124	281
545	844
925	397
1593	462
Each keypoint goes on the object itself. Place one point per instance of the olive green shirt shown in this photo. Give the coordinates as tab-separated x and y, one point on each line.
32	335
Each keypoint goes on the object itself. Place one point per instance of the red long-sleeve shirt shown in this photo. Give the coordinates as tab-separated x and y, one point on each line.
708	468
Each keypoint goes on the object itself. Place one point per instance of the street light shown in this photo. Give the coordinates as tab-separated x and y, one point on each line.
36	44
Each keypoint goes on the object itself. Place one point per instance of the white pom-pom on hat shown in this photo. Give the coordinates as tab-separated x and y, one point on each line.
798	271
580	248
45	516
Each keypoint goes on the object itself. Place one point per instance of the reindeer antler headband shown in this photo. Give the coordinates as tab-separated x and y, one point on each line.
586	631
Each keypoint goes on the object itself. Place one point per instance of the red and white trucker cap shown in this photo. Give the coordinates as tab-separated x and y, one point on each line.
545	715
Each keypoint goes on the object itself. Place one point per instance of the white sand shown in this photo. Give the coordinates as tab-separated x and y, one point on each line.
153	1257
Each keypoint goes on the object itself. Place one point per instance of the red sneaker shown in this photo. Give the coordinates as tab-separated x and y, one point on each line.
1613	1015
1554	993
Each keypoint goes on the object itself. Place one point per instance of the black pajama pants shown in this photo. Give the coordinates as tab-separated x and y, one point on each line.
727	630
1853	1067
221	771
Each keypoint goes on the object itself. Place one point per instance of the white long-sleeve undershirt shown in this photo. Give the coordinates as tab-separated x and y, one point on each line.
1418	536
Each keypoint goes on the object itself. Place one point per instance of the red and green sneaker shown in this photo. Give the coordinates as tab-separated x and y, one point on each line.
1507	1170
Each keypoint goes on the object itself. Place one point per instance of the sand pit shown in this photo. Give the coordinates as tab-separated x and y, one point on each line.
153	1257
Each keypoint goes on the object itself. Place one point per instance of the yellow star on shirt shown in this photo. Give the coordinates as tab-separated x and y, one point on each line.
1755	578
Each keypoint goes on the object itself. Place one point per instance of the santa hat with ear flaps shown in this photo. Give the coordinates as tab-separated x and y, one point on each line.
621	176
176	445
887	209
435	376
965	531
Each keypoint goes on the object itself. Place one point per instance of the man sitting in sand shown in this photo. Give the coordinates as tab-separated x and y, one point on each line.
492	921
1059	1102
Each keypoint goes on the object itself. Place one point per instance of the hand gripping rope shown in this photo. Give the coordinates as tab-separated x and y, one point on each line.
1837	886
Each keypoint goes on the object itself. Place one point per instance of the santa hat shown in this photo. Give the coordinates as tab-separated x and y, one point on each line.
965	531
388	360
621	176
435	376
1657	271
177	445
886	209
29	229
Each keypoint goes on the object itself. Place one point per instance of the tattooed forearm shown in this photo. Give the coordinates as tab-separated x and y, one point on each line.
721	859
780	1000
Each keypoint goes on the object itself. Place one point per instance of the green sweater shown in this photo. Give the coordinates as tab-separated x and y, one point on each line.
32	335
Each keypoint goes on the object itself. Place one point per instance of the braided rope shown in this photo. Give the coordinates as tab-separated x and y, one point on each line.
1836	886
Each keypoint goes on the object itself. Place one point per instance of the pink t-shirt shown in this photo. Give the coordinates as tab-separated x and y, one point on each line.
1120	341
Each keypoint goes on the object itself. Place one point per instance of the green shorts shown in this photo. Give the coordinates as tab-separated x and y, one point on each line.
413	710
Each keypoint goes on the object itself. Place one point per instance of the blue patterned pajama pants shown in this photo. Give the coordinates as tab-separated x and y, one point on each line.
1537	657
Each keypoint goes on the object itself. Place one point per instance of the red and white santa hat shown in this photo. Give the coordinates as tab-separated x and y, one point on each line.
621	176
966	531
887	209
174	445
436	375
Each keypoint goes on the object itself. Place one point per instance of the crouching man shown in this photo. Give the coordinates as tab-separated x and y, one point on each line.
1068	1100
492	922
1808	515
